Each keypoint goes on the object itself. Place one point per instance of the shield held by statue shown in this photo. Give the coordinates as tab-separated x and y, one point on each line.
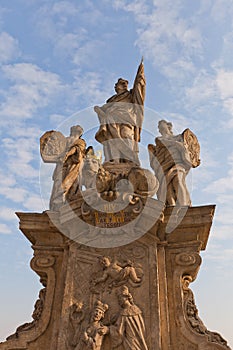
52	146
192	148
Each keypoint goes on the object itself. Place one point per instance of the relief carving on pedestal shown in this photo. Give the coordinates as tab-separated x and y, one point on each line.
89	335
128	329
124	330
191	313
115	274
76	318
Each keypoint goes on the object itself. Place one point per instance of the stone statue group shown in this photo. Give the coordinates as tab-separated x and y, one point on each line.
121	119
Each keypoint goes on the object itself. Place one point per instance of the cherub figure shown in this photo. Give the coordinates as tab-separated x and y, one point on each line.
116	273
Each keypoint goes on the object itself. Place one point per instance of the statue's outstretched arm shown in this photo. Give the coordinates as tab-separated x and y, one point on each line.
139	87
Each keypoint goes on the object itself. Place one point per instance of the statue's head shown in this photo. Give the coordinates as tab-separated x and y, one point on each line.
105	261
99	311
76	130
121	85
165	128
124	296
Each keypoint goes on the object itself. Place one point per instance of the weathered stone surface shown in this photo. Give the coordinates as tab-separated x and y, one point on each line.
90	294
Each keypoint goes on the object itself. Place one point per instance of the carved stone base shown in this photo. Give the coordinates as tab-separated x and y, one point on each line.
143	283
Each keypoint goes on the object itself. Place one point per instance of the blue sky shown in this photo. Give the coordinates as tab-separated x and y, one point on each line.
60	58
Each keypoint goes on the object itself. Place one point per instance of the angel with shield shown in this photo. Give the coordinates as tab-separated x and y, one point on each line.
171	159
67	153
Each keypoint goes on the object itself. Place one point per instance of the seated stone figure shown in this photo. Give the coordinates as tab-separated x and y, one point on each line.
171	159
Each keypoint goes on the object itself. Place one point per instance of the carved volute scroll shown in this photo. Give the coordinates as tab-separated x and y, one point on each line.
192	330
36	315
193	319
29	332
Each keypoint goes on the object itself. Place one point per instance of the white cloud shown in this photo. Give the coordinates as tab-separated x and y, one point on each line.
15	194
223	232
4	229
32	89
164	36
78	47
34	203
9	47
64	8
7	214
221	185
19	157
202	90
91	86
30	73
54	21
84	55
224	80
224	215
67	43
6	180
180	68
222	188
138	7
50	19
56	119
221	9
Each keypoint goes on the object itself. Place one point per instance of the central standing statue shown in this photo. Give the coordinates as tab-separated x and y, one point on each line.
121	119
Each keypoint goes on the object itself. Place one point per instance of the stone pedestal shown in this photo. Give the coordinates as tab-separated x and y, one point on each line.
155	270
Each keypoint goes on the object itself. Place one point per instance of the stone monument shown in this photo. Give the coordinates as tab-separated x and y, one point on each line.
119	246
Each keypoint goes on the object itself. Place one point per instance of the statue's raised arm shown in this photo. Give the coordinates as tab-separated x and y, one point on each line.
139	87
138	98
